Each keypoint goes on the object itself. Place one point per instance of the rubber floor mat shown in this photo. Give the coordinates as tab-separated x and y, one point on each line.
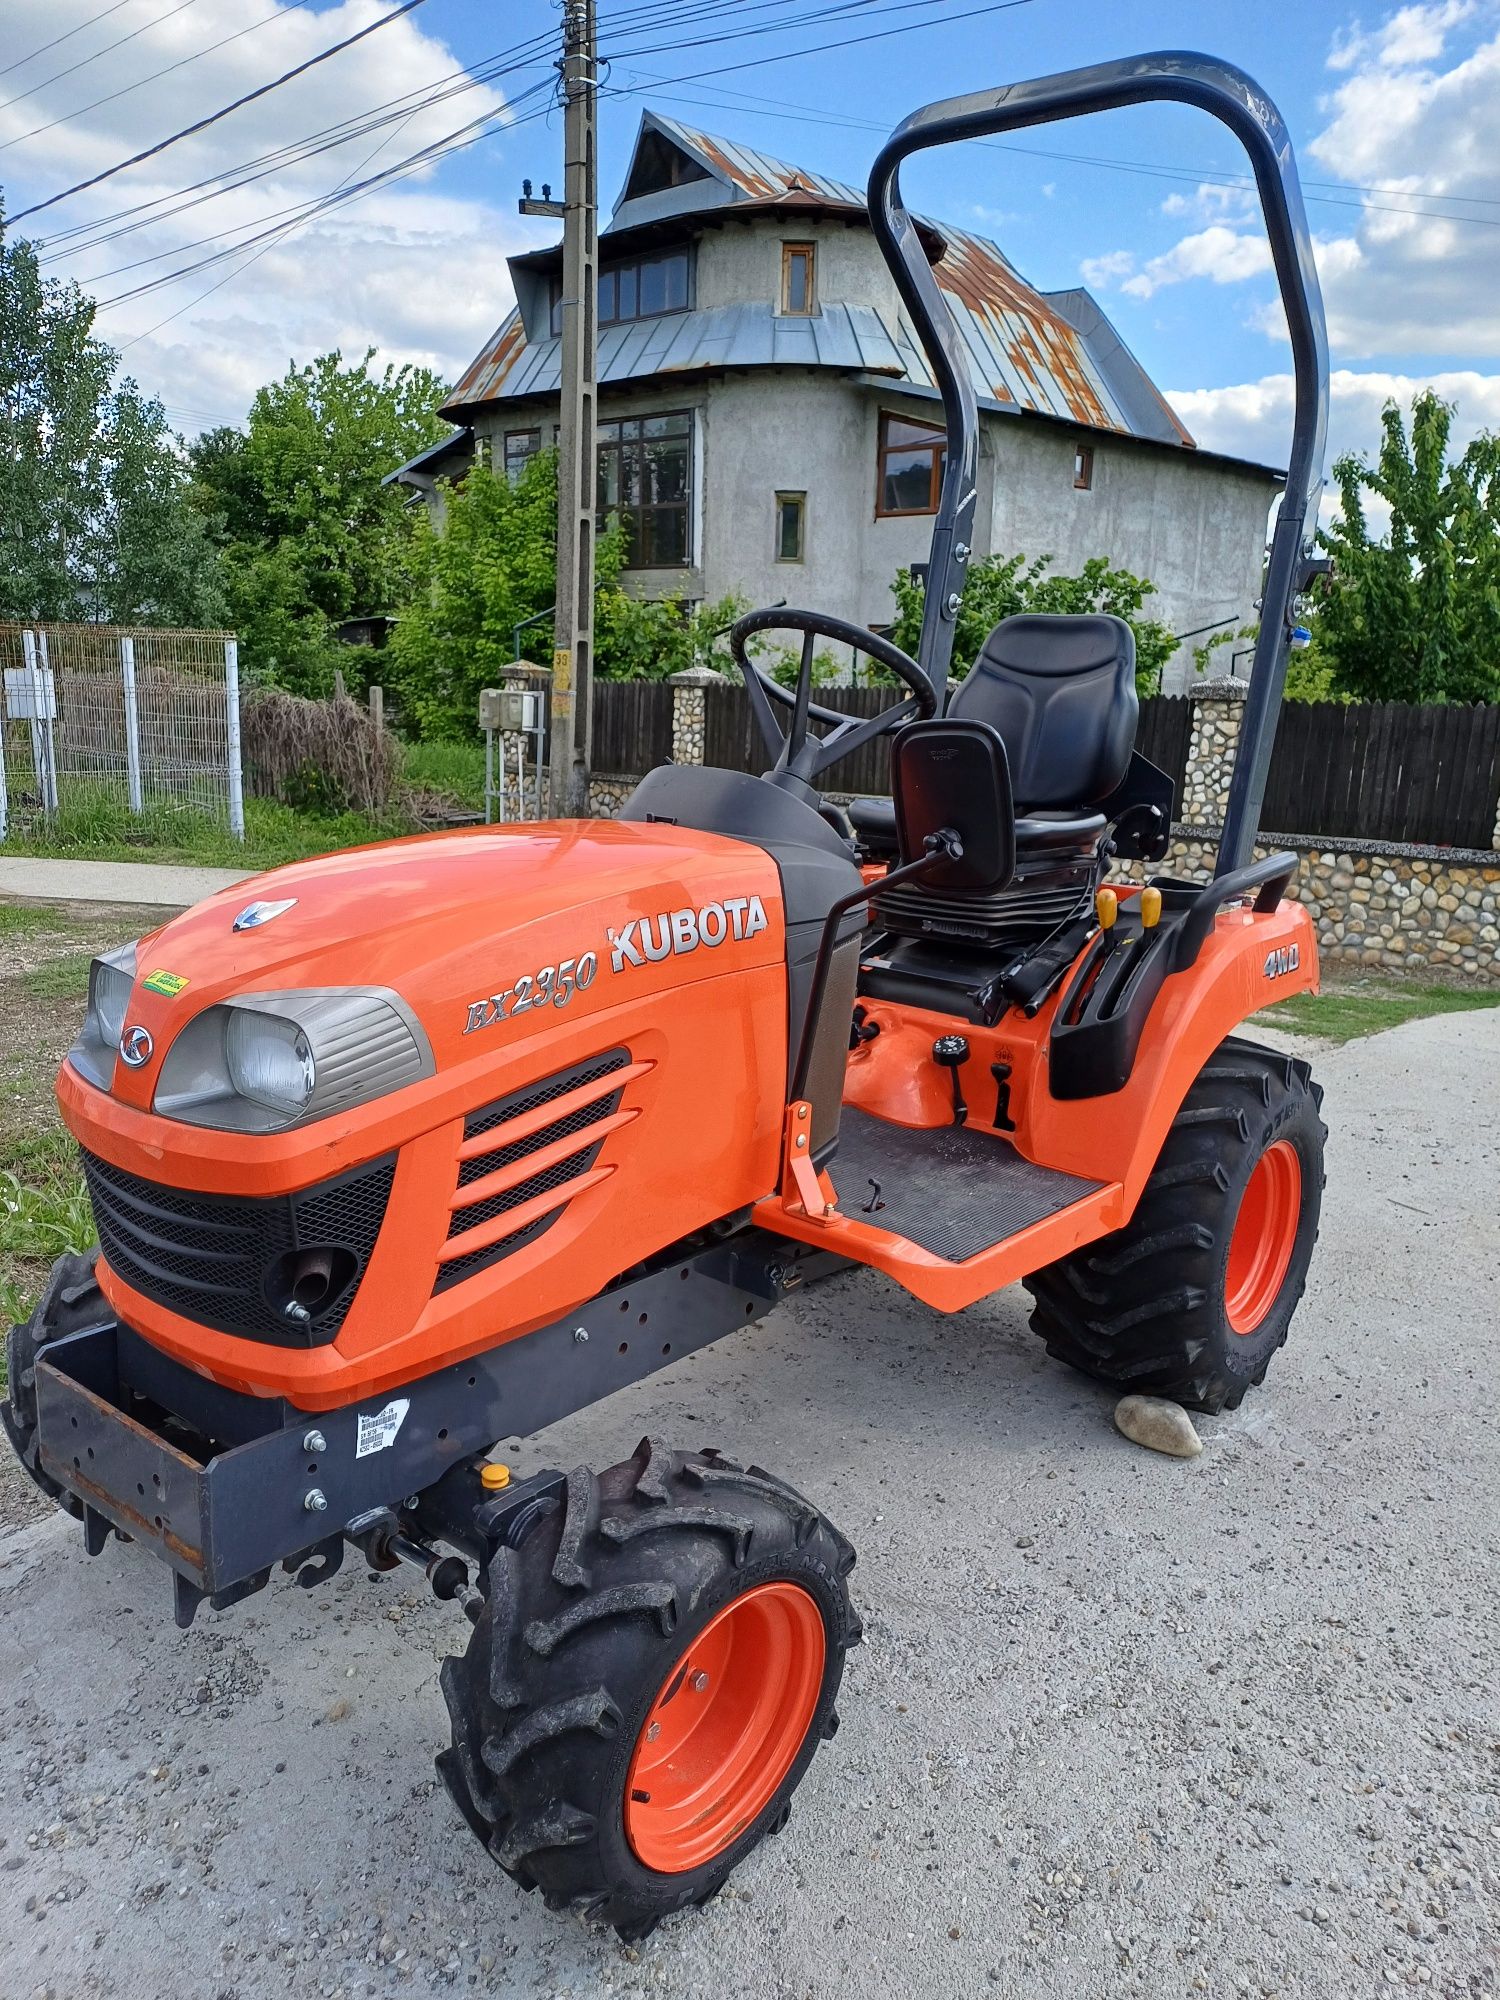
952	1191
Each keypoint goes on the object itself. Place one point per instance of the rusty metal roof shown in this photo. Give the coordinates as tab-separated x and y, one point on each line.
1056	356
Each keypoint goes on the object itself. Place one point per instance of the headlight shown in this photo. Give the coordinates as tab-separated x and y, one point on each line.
111	980
269	1060
263	1061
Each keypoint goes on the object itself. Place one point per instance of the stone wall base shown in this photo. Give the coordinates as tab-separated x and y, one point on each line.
1383	909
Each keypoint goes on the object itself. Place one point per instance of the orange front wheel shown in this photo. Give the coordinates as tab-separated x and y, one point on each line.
654	1670
726	1727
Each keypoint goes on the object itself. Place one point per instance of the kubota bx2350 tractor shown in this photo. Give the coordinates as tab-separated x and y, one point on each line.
418	1147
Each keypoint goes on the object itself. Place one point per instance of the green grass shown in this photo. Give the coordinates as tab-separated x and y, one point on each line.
44	1210
93	825
1368	1007
456	768
16	919
65	978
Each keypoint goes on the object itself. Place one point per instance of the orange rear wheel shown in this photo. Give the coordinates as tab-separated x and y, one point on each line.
725	1728
1265	1235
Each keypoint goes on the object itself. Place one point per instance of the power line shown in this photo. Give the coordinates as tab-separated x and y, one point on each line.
83	62
475	129
213	117
58	40
104	229
781	109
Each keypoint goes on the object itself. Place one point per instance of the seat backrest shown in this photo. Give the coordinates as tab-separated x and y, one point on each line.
1061	692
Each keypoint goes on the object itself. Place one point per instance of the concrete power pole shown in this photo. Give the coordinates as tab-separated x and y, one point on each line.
573	645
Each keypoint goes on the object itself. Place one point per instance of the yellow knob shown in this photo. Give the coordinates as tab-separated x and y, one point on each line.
1106	908
1150	908
493	1478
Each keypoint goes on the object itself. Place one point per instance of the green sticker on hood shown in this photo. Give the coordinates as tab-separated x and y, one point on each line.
170	983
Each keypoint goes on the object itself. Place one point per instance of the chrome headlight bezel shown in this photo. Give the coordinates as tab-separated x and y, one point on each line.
361	1043
111	982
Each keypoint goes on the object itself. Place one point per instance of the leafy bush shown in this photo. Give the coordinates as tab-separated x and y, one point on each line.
1415	616
998	587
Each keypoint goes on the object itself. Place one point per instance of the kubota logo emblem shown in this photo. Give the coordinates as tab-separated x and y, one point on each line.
135	1047
649	938
1285	958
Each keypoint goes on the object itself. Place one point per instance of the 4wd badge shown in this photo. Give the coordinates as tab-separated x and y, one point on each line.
1285	958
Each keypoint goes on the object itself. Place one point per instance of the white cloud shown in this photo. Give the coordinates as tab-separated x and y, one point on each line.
1101	272
415	271
1254	419
1419	272
1218	252
1412	35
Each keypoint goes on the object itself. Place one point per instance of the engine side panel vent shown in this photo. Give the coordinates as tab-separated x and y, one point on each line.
555	1177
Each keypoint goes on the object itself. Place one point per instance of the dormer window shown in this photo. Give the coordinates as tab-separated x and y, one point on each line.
799	296
643	288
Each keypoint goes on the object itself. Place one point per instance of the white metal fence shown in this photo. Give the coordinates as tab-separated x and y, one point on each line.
134	718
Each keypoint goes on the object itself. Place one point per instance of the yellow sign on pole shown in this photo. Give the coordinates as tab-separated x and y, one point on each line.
562	670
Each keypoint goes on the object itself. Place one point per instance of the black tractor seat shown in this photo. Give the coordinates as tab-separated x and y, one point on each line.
1061	692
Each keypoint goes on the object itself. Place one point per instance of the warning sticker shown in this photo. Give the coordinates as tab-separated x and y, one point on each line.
378	1433
170	983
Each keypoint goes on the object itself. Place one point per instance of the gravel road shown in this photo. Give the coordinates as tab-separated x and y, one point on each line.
1122	1724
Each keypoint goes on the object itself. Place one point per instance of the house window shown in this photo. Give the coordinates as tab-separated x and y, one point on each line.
1083	467
798	272
912	458
791	519
645	288
521	447
646	483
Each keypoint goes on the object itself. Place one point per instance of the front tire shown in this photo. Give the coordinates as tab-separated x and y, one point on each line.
71	1301
648	1682
1193	1297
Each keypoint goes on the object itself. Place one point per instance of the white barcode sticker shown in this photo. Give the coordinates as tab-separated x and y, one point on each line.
378	1433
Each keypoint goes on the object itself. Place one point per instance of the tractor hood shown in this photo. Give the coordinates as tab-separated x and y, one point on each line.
475	932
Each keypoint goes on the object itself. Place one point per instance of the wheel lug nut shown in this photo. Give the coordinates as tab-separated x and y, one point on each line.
698	1682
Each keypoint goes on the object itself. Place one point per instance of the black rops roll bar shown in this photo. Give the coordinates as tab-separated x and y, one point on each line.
1238	102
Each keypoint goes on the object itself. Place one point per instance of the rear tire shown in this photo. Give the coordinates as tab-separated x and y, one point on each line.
1192	1298
72	1301
570	1758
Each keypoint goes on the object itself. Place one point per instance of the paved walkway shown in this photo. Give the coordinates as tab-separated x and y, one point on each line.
112	881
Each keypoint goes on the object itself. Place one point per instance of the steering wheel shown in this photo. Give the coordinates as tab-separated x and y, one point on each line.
797	751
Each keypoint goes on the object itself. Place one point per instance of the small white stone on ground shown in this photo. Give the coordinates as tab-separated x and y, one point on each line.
1158	1425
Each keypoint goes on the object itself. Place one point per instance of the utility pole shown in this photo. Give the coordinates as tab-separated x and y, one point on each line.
573	625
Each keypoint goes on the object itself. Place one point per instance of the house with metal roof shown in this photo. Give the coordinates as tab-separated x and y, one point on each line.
767	423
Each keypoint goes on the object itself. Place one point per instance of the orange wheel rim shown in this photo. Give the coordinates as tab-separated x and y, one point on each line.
1265	1235
725	1728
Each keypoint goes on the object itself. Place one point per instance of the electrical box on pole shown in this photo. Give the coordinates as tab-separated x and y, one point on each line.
573	629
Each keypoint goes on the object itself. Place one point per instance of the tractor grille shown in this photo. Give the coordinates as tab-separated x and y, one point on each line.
548	1180
207	1256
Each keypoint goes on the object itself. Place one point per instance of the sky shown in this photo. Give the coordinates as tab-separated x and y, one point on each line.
1393	114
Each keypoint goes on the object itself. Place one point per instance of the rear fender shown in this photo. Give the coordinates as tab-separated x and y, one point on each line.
1249	961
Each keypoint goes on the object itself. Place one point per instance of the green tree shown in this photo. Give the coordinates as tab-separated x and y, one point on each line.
95	521
1415	615
311	535
491	566
997	587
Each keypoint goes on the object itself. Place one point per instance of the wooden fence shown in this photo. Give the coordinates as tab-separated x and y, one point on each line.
1374	771
1387	770
632	726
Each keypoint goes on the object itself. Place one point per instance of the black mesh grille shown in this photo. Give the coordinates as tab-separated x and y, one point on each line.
494	1118
207	1256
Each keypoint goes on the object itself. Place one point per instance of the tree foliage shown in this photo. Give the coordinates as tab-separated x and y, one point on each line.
1415	615
95	522
491	567
997	587
310	534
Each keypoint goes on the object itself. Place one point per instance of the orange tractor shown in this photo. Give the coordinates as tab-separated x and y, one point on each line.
433	1143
